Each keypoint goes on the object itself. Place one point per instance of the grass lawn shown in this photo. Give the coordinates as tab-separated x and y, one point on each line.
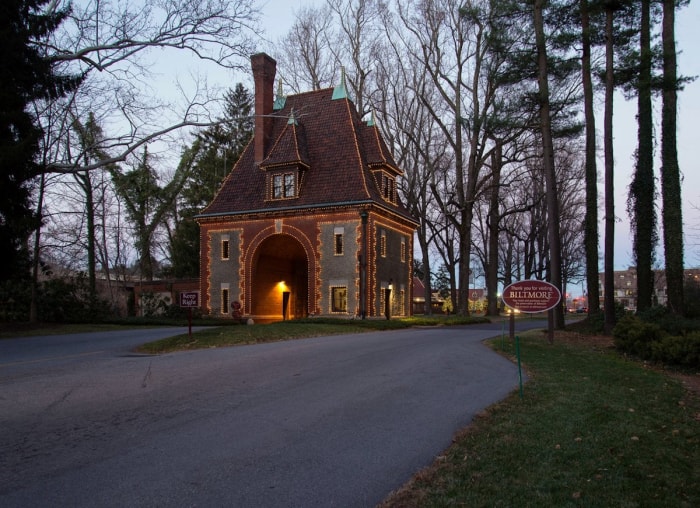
233	335
592	429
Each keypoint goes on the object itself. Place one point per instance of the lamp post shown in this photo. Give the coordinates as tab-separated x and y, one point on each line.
363	265
387	299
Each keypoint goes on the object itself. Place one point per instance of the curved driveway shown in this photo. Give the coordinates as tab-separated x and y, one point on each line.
321	422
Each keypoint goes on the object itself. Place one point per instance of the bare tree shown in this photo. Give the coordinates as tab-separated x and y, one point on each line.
452	46
419	145
357	44
306	59
119	48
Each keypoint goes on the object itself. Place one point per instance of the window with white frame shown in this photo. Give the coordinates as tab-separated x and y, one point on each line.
224	300
338	234
225	247
283	186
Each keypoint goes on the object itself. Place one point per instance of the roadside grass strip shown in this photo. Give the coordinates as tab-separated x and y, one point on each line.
592	429
224	336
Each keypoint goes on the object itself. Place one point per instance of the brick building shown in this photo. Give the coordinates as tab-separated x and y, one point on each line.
309	221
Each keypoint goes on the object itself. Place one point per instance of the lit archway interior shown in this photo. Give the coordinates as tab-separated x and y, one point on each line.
280	279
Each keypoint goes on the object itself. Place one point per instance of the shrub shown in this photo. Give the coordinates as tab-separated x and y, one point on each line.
672	324
648	341
692	299
14	300
634	336
176	312
69	301
678	349
595	322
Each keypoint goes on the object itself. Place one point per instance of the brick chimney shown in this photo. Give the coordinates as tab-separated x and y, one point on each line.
264	68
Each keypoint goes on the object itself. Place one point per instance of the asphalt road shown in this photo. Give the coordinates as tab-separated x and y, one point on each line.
322	422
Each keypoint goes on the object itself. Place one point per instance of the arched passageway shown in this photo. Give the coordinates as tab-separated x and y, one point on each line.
279	286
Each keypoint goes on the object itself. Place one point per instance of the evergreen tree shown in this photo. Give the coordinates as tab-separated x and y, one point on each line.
26	76
143	198
211	157
642	191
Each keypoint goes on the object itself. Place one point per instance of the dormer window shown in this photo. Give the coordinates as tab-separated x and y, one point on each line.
284	185
387	186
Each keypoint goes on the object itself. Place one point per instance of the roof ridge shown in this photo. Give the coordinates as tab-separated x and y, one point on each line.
356	133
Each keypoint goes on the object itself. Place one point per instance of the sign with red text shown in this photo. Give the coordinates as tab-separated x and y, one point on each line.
189	299
531	296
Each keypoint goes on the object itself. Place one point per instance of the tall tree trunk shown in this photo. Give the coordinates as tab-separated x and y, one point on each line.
609	255
84	180
90	223
591	220
36	261
494	230
461	306
642	191
670	170
548	160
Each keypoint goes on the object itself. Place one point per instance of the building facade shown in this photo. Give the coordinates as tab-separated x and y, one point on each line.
625	286
309	221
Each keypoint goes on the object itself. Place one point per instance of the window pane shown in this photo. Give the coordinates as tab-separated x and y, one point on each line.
339	299
224	249
224	301
338	244
289	186
277	186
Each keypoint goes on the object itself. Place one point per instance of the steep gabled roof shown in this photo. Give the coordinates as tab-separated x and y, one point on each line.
290	148
331	144
377	153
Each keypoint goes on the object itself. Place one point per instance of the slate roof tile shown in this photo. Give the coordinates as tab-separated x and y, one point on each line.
335	149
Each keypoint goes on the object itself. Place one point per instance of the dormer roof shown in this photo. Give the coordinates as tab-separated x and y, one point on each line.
290	148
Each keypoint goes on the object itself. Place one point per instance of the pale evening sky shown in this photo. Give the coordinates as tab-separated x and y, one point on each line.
278	17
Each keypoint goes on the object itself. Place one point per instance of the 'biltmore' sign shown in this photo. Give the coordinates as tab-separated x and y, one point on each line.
531	296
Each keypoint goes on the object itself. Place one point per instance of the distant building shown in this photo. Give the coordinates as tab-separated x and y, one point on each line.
309	220
625	287
436	301
153	297
477	298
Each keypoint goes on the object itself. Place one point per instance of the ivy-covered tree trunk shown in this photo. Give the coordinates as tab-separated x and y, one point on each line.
670	171
86	183
591	220
642	190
